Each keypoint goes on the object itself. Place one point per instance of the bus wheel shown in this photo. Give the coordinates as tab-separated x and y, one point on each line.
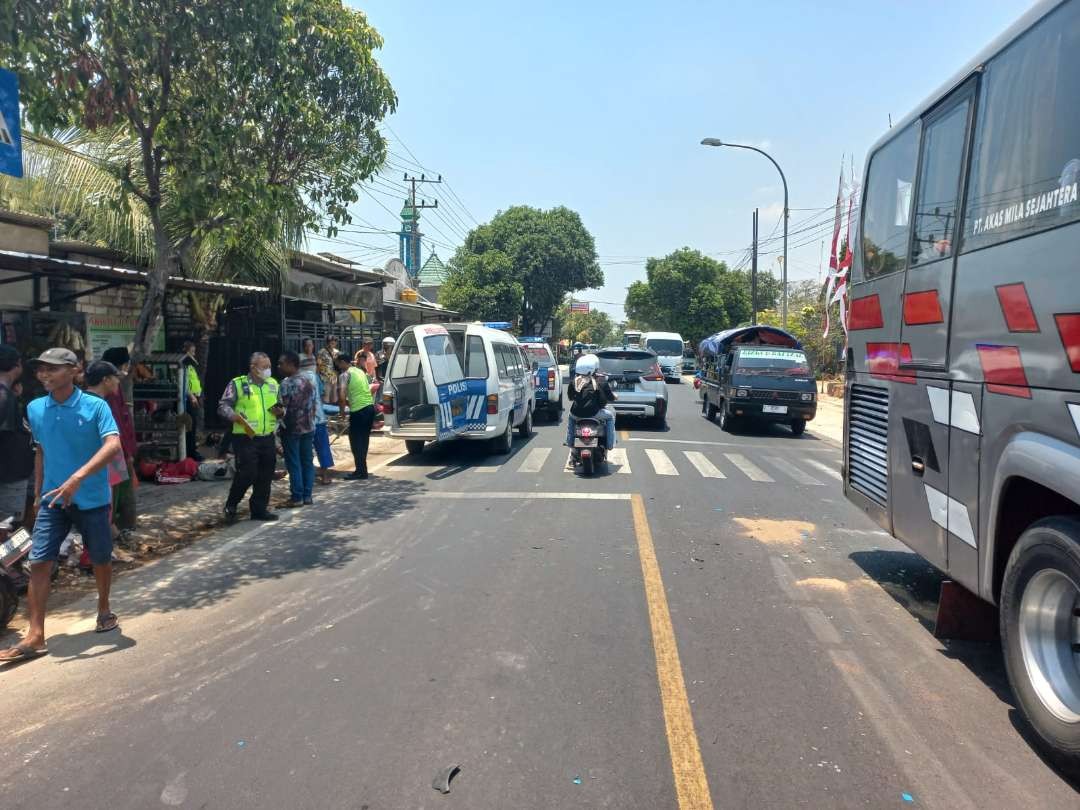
1040	634
798	426
414	447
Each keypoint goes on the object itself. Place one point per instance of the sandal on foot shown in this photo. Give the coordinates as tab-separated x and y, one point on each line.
107	622
21	652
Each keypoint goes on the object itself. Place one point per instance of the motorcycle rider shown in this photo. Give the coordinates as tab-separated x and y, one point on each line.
589	394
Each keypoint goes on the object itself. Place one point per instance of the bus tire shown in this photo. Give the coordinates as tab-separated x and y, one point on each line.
1040	597
414	447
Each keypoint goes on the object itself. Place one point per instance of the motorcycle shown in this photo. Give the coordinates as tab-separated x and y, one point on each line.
14	570
590	444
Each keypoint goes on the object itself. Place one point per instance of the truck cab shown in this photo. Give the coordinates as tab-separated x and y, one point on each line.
757	374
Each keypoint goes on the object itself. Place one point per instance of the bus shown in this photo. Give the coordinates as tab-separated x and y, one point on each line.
631	338
962	391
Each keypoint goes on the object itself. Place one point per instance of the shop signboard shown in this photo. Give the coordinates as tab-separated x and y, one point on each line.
108	331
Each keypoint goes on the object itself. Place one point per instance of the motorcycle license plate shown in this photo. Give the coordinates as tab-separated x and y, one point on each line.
581	442
774	408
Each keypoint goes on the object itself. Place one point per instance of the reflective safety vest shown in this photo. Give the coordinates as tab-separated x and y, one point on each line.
359	391
194	385
252	402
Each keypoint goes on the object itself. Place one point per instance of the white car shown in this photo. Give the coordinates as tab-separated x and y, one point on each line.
546	377
458	381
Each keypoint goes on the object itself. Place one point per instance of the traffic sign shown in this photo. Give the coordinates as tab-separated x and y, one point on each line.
10	139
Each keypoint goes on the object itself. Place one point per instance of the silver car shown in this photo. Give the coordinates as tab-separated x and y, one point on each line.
636	377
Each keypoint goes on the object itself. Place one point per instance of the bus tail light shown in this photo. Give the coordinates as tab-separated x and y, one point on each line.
492	404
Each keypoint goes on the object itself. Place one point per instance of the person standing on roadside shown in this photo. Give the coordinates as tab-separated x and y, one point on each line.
307	350
383	358
194	399
251	403
322	435
76	437
297	396
365	361
124	506
16	449
354	394
326	361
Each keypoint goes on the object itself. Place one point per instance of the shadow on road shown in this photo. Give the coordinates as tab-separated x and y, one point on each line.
916	585
327	536
456	457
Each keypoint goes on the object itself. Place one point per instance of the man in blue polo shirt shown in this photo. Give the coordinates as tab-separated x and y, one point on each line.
76	437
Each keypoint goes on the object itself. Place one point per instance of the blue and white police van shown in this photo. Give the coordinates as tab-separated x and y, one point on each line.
458	381
546	377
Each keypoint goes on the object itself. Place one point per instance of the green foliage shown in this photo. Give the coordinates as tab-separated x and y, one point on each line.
551	253
247	116
482	287
694	295
587	327
806	321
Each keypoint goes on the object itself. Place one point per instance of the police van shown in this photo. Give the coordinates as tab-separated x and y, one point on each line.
458	381
546	377
962	434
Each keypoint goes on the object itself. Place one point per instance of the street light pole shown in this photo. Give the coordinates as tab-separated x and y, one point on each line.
783	179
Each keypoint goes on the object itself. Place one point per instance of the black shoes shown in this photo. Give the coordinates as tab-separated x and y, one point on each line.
230	516
266	517
356	476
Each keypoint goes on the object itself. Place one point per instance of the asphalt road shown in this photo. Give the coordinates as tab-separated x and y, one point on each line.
708	624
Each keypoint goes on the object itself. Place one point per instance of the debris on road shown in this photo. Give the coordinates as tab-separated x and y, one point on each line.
441	782
577	780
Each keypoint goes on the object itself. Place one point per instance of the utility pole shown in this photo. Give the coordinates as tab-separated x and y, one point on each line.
753	273
413	256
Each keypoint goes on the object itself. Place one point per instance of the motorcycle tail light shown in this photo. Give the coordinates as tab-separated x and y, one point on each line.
586	432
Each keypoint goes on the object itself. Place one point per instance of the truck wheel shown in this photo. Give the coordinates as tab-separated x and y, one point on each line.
798	426
9	599
1040	603
726	420
414	447
526	427
710	411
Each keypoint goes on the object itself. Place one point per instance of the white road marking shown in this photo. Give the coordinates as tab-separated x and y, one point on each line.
618	458
748	468
569	466
535	460
703	465
825	468
533	496
793	471
661	463
802	449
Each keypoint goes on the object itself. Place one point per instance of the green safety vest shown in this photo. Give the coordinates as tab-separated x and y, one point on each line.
359	391
253	401
194	386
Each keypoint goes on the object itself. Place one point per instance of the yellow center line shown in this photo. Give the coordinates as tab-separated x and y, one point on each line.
691	784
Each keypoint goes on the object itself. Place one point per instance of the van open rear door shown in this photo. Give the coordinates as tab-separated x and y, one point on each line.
428	385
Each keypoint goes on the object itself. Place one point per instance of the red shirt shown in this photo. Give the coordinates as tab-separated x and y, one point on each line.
122	414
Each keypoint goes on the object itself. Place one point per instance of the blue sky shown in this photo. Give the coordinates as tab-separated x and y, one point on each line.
601	106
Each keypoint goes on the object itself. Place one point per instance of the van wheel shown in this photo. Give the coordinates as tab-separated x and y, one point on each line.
1040	600
798	426
525	429
414	447
505	443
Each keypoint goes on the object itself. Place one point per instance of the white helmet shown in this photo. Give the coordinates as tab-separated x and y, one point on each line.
587	364
388	340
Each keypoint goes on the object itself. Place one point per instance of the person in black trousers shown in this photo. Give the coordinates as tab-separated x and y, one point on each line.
355	396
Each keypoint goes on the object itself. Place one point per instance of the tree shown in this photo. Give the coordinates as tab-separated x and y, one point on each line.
551	253
248	114
482	287
694	295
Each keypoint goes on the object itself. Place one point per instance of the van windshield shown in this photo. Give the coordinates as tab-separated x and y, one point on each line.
668	347
772	361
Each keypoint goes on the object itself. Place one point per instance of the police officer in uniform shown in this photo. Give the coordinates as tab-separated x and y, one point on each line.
251	404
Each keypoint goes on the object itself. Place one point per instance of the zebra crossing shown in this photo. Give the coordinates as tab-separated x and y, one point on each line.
768	469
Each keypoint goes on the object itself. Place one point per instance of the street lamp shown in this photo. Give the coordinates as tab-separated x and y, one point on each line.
718	142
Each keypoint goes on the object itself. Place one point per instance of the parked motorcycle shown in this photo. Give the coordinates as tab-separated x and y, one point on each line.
590	444
14	572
